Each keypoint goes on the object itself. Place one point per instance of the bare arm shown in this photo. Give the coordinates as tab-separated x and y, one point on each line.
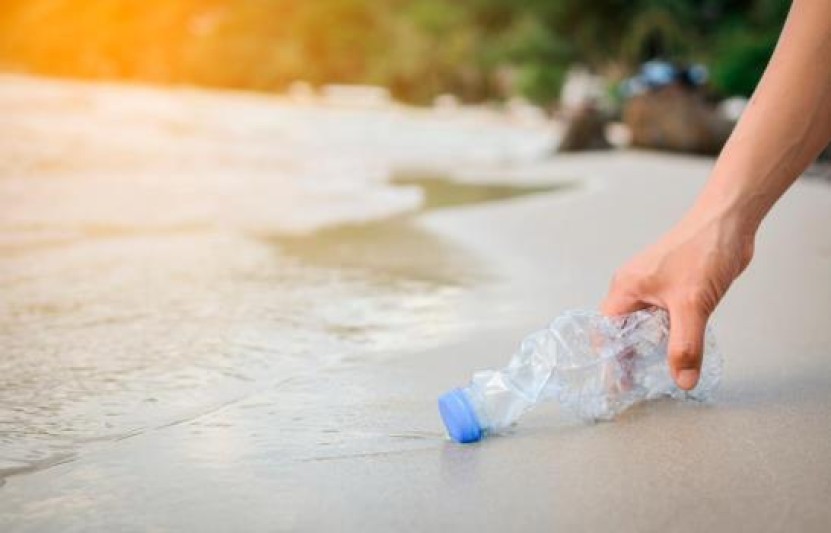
785	126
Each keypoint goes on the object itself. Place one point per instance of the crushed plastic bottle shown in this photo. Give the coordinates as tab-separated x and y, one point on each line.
594	365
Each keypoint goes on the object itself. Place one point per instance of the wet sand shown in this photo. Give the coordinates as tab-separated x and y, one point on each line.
358	445
324	417
164	252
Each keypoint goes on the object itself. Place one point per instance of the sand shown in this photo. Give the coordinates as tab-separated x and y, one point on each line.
357	446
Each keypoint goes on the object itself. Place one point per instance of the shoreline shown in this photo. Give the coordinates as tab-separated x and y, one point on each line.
201	372
363	440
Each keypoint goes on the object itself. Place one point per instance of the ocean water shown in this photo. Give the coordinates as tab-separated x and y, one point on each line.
165	253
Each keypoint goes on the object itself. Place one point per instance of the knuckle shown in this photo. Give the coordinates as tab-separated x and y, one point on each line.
696	298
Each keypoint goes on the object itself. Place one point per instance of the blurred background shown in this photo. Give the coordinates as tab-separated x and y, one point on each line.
686	56
476	49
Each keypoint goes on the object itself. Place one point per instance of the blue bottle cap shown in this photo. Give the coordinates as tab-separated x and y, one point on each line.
459	417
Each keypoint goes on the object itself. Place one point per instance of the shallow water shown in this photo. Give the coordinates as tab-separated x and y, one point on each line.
166	254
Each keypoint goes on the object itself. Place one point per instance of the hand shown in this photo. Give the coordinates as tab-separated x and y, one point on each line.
687	272
786	124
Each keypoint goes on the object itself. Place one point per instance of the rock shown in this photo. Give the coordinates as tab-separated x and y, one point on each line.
675	118
581	88
585	130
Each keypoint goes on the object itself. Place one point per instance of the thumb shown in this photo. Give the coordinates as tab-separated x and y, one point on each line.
686	341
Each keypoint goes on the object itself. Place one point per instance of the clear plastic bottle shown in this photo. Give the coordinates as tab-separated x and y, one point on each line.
594	365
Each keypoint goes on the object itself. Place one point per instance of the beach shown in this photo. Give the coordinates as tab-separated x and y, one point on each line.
242	364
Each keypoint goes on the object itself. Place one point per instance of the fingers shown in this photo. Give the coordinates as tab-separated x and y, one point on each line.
620	302
688	320
686	342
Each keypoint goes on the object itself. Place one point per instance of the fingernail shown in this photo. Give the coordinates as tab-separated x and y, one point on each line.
687	378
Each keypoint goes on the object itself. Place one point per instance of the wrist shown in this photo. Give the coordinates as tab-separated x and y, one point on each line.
717	231
729	222
731	202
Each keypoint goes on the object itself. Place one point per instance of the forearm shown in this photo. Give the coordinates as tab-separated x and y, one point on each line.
785	126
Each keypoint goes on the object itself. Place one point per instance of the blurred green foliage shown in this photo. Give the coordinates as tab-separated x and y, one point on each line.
743	47
476	49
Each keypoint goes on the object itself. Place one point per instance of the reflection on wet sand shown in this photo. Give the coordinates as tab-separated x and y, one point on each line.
207	267
396	248
113	333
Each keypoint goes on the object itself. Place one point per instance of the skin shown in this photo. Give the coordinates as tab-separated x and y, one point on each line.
785	126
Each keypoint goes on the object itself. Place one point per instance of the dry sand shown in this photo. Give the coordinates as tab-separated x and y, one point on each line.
360	448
